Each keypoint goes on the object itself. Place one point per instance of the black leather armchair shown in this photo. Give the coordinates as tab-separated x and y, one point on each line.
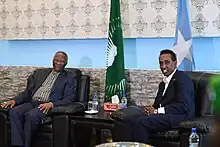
204	119
178	137
47	133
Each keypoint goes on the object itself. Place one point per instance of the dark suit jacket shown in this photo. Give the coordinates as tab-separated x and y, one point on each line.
63	91
178	99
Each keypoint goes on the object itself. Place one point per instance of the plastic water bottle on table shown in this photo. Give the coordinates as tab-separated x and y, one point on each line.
194	139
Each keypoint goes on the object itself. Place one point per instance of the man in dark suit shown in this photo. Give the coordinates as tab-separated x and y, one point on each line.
174	103
46	88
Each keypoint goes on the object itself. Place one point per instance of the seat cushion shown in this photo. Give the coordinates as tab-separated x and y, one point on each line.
171	135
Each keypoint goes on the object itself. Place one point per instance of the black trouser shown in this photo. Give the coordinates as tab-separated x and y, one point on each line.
24	120
139	127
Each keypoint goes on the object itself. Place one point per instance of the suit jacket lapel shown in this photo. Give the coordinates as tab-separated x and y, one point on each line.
159	94
43	77
58	80
173	79
161	89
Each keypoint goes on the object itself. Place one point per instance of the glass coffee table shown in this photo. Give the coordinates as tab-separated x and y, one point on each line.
123	144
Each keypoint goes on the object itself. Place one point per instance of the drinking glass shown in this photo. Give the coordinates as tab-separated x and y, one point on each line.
90	105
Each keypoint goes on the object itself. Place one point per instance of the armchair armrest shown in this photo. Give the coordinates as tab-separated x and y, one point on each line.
129	111
71	109
202	124
4	110
74	108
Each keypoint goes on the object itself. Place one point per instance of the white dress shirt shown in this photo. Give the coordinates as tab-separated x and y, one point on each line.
166	80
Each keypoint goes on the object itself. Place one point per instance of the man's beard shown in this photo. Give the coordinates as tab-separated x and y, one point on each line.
61	68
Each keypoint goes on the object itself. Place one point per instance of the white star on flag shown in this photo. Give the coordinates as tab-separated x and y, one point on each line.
182	49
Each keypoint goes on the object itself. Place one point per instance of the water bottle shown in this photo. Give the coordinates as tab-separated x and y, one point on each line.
95	101
124	100
194	139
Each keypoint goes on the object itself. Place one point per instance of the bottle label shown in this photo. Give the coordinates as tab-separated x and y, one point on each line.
194	145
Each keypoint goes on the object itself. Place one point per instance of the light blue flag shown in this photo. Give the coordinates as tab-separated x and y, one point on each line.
183	38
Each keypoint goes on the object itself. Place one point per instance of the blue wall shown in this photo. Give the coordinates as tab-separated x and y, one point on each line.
139	53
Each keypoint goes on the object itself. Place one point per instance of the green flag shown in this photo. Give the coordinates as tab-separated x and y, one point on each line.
115	74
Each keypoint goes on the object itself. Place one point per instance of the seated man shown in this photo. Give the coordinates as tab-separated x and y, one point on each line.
46	88
174	103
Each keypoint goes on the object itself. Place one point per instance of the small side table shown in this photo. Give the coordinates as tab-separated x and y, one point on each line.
99	121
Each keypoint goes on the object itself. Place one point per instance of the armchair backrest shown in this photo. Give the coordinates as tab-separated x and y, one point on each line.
203	95
83	82
84	89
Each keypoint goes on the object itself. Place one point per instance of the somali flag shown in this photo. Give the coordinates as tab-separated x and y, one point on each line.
183	38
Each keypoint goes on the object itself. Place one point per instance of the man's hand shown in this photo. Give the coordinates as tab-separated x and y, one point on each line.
10	103
150	110
46	107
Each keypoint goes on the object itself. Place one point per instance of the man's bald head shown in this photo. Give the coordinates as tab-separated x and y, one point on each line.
60	60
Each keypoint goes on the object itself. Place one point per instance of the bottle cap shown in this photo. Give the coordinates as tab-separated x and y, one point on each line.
123	94
95	95
193	130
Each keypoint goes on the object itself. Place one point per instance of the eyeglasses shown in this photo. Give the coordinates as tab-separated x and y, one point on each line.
60	61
